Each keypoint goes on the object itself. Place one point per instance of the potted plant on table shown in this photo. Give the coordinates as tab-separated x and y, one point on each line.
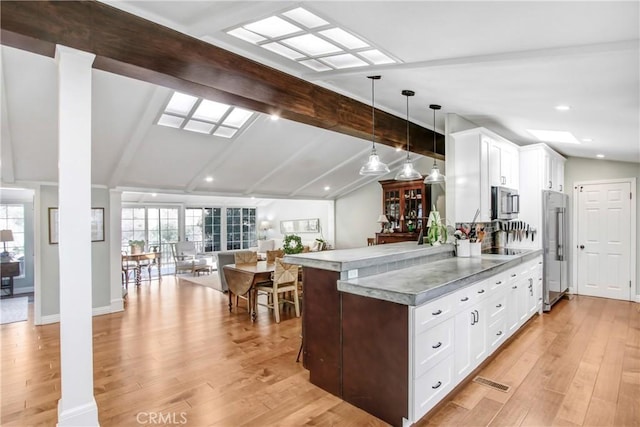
136	246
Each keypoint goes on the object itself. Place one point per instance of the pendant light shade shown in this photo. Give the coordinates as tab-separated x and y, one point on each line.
373	166
408	172
434	177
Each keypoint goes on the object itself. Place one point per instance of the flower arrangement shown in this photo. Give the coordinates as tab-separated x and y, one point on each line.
137	246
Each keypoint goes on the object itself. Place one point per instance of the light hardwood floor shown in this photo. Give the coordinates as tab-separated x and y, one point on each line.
177	352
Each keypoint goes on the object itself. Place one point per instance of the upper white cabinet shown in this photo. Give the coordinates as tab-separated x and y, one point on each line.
553	168
503	164
476	160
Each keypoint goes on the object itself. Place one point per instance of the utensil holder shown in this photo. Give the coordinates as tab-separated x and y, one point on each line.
475	249
463	248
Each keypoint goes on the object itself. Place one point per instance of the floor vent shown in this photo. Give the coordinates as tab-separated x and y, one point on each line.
494	385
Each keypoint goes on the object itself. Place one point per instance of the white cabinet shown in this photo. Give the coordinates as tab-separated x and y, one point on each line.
454	334
476	160
553	170
503	164
470	341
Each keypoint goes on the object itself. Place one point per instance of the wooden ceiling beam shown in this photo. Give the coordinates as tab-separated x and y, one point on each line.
128	45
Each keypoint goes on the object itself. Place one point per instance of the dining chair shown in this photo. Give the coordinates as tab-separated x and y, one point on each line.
272	255
285	279
128	267
245	257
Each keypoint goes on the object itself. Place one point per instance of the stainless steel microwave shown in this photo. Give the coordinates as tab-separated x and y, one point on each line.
505	203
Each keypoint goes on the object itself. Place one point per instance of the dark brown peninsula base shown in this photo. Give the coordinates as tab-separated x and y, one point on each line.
356	347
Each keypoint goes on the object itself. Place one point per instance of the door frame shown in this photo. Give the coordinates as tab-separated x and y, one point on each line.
634	293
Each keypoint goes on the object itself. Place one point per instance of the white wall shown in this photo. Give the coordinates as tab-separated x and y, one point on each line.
280	210
580	169
50	286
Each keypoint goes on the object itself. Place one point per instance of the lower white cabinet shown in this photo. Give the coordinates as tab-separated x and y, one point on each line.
454	334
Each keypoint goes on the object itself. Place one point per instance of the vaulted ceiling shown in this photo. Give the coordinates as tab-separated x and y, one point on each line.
498	64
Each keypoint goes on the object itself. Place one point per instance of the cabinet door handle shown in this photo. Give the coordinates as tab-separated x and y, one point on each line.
477	316
464	299
499	305
514	287
473	318
436	313
499	282
550	185
481	291
437	385
499	333
436	345
514	275
560	187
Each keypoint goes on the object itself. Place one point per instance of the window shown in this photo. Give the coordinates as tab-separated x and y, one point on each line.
310	40
156	226
241	228
12	218
203	116
203	225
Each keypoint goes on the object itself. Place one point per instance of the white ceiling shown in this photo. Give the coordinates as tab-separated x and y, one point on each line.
498	64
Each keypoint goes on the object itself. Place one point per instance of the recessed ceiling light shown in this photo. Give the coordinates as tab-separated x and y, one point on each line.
237	117
554	136
253	197
154	194
600	156
398	148
225	132
283	50
587	140
315	65
274	117
209	179
327	188
210	110
563	107
198	126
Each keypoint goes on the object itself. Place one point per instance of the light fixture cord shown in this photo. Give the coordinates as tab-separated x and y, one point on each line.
373	115
407	127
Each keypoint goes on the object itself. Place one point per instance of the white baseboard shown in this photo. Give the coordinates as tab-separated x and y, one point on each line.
83	415
571	290
117	305
55	318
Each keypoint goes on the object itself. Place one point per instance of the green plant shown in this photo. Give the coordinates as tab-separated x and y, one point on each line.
437	230
292	244
139	243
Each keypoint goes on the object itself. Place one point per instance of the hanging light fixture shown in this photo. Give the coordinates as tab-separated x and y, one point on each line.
434	177
408	172
373	166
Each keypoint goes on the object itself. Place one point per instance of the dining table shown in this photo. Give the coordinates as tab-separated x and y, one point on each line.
151	257
242	280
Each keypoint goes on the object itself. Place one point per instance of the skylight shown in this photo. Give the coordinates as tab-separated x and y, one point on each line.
203	116
557	136
304	37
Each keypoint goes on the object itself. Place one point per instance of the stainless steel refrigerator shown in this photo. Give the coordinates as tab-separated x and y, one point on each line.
555	245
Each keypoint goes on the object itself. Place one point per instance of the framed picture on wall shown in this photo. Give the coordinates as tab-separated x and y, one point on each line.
97	225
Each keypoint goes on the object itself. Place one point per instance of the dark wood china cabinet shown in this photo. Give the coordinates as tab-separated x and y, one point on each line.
406	205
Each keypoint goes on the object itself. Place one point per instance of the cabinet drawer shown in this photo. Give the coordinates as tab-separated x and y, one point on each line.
432	346
432	386
496	307
470	295
497	332
498	282
434	312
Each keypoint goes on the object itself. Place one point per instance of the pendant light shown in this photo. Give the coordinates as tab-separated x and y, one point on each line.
373	166
408	172
434	177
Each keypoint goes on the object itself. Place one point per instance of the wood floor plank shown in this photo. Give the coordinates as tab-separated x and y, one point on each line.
177	349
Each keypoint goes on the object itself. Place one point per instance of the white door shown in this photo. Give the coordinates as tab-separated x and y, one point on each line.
604	240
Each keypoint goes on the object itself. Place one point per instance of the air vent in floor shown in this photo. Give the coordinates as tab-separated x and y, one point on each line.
494	385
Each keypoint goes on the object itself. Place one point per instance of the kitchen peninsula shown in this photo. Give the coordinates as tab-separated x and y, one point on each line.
381	323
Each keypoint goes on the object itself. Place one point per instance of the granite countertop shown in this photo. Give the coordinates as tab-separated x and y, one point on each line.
350	259
420	284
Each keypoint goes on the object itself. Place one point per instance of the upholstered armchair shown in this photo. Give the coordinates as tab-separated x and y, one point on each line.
186	258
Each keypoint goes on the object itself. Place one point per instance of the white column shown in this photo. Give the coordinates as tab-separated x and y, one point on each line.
115	250
77	406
